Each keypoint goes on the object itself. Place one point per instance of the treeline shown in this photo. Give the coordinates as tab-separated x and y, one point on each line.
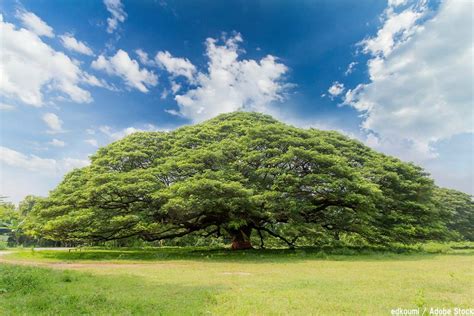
248	180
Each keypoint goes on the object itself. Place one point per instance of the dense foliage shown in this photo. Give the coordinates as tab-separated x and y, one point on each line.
241	174
457	210
12	220
9	222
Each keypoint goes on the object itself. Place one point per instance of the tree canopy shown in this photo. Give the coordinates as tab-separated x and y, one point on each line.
457	209
241	174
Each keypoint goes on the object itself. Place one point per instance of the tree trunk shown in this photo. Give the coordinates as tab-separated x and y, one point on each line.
241	238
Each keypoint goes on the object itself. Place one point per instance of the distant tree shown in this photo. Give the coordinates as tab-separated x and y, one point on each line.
8	213
10	221
240	174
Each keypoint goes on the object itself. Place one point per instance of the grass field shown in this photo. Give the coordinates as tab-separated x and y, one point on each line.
220	282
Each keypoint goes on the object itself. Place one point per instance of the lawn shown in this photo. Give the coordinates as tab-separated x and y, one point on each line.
219	282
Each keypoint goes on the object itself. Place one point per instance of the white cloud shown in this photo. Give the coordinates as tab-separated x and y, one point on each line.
326	123
173	112
231	84
34	23
69	42
57	143
92	80
397	28
421	87
6	107
96	82
143	57
34	163
176	66
405	149
164	94
92	142
175	87
128	69
336	89
16	183
24	174
350	68
396	3
118	134
53	122
116	9
29	68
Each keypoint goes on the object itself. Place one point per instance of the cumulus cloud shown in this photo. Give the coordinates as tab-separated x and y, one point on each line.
232	84
53	122
17	159
23	52
128	69
117	12
24	174
176	66
57	143
421	86
403	148
35	24
71	43
336	89
397	28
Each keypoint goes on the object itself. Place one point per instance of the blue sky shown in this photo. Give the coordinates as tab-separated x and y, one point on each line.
76	75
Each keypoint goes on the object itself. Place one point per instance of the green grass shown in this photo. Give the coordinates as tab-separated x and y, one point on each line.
174	281
35	291
254	255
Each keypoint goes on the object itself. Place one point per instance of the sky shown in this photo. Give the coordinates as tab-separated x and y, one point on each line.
76	75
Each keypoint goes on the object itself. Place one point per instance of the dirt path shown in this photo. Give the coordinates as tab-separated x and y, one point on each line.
2	253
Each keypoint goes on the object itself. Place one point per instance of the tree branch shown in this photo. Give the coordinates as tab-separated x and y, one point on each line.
262	245
289	243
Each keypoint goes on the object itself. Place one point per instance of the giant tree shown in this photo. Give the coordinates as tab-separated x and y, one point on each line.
239	174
